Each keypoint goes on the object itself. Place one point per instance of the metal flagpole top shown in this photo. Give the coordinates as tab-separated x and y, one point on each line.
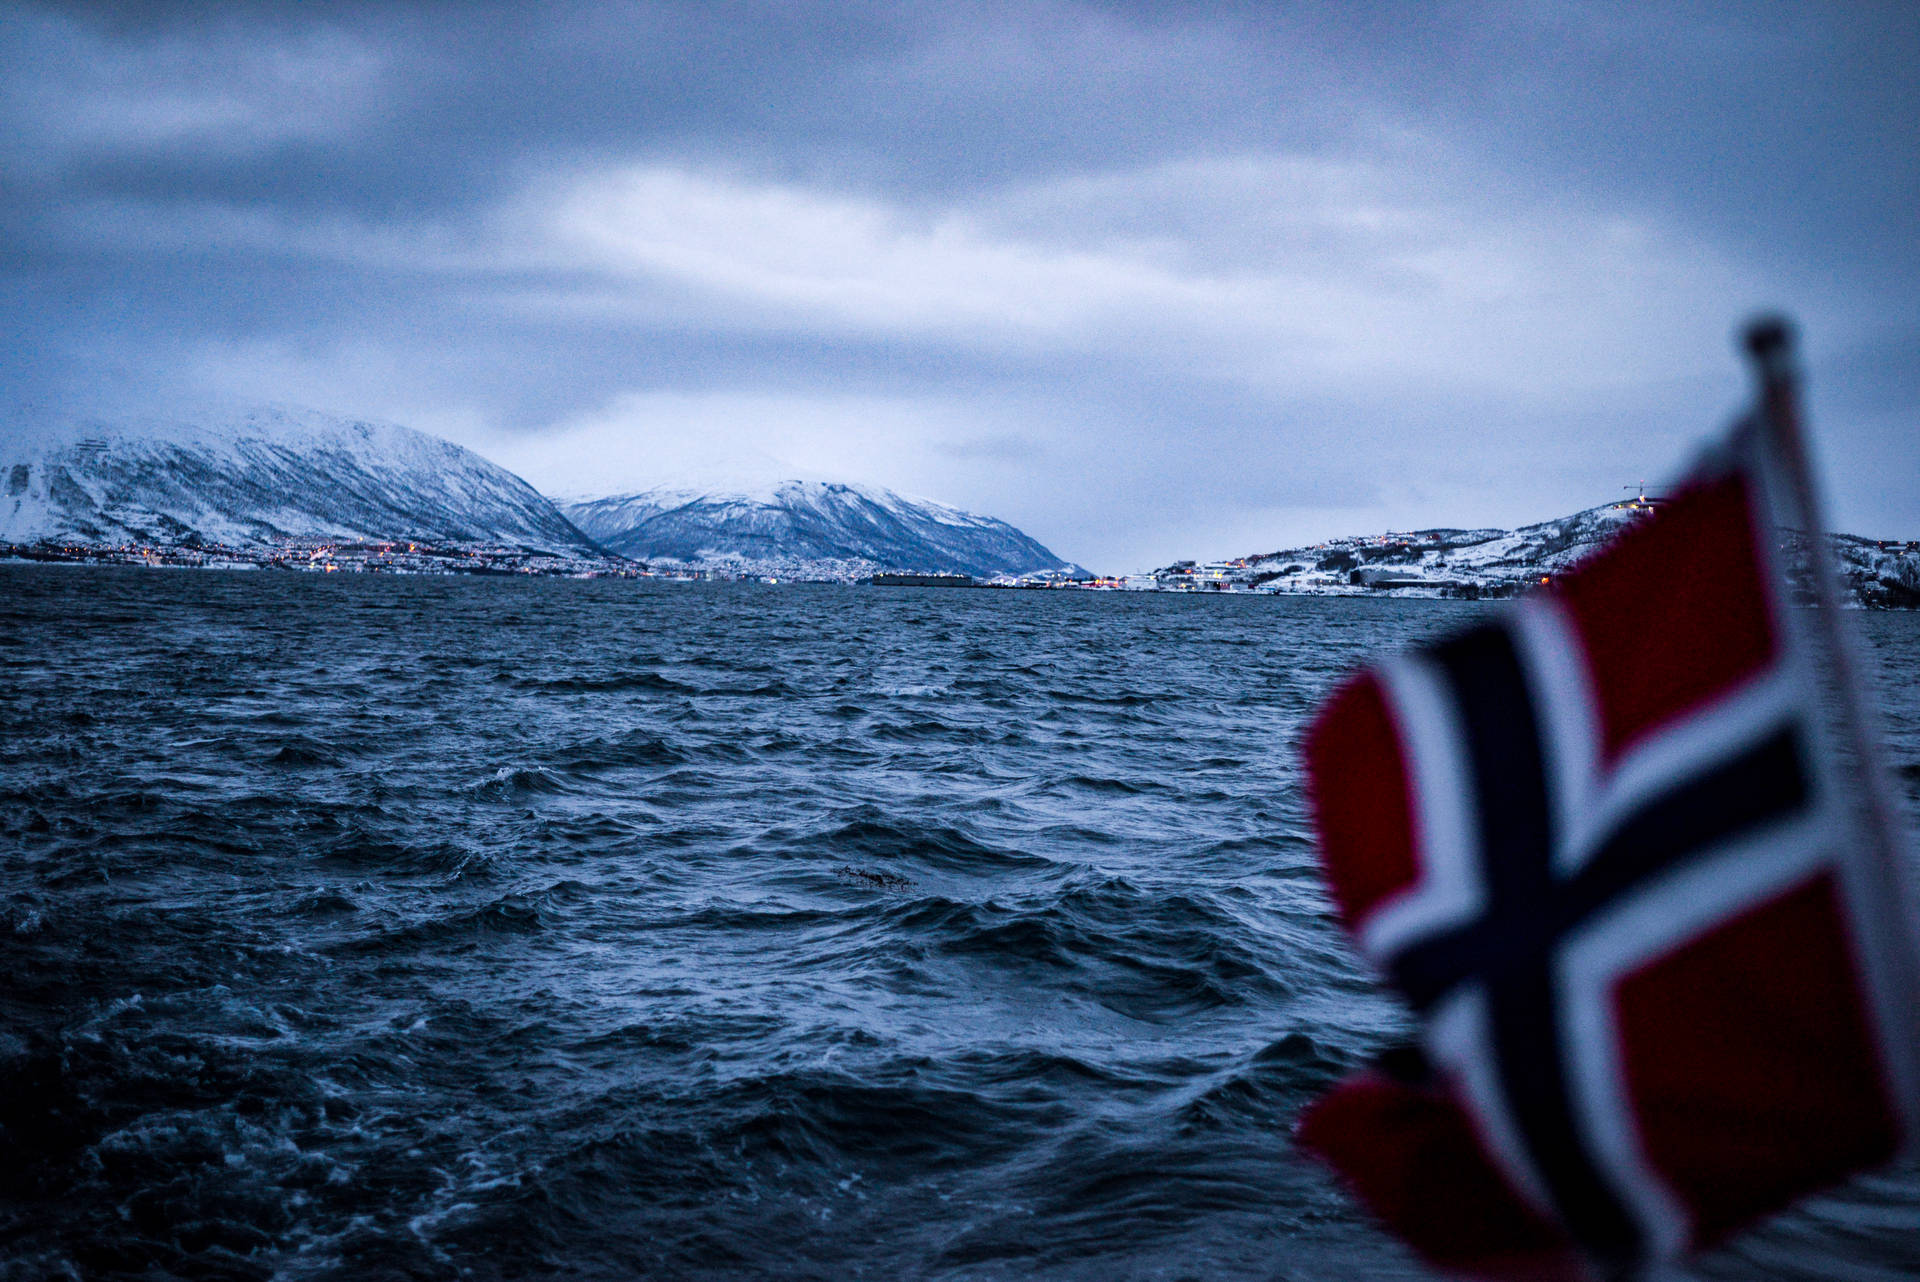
1774	346
1770	340
1773	343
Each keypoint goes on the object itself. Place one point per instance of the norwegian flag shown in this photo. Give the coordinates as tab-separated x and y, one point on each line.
1653	929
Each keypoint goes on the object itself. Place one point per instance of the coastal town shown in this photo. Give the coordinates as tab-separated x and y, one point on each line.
321	556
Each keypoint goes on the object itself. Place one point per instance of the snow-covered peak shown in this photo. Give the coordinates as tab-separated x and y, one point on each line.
753	477
744	473
260	475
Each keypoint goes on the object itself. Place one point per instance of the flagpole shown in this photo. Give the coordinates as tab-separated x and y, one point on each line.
1769	340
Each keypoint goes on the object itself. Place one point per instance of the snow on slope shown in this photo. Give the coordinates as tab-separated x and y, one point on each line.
823	523
1502	562
1878	572
261	477
1497	560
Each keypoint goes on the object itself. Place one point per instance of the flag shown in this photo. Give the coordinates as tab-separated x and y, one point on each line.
1636	882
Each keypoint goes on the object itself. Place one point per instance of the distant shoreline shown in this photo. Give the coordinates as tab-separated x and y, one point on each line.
8	559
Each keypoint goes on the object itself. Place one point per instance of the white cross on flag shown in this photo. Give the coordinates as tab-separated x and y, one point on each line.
1641	891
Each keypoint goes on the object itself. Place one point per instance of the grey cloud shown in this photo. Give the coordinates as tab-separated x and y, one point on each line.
1158	266
1000	448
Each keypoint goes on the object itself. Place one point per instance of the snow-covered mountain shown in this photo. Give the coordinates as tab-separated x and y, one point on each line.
812	526
1474	563
1487	559
261	477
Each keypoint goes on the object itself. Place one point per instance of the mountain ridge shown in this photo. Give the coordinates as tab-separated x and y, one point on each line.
811	527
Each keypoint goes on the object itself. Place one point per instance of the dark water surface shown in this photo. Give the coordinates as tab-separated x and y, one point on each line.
375	928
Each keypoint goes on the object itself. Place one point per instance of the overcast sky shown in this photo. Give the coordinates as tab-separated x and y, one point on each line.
1149	281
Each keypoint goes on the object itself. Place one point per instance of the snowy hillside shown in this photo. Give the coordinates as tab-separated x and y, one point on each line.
832	529
1474	563
1487	560
262	477
1878	572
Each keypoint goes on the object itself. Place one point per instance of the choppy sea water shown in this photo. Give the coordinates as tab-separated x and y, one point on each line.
382	928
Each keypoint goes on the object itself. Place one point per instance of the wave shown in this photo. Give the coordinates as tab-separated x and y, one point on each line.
304	752
521	913
869	834
646	682
507	782
632	748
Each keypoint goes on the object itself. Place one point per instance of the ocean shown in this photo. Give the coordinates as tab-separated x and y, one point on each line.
392	928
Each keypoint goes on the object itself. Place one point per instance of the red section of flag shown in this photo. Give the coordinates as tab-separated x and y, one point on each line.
1414	1159
1698	558
1362	799
1751	1063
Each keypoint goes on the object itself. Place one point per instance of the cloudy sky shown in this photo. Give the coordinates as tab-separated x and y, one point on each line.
1147	280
